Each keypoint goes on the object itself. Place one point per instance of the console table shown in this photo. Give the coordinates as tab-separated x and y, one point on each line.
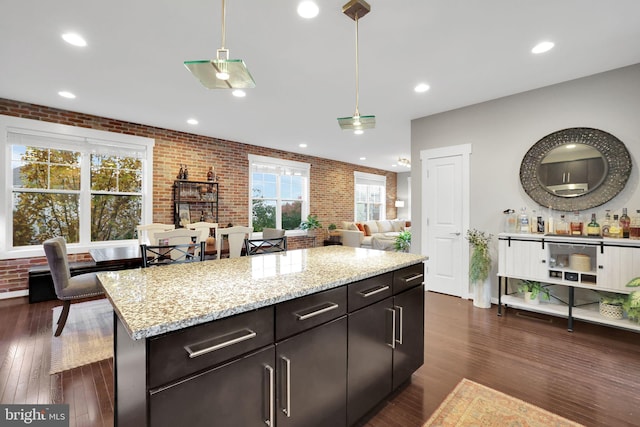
605	265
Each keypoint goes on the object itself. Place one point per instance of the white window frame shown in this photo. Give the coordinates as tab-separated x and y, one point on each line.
284	164
362	178
79	139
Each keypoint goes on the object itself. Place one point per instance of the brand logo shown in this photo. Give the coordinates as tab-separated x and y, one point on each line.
34	415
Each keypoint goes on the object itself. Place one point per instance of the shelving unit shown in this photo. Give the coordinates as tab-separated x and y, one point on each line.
576	264
193	200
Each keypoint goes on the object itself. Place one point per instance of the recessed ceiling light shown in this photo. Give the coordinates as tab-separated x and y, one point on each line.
422	87
192	121
239	93
308	9
358	131
65	94
74	39
394	165
363	158
543	47
303	145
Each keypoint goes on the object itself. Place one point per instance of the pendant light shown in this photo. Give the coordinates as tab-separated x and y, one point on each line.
222	72
356	9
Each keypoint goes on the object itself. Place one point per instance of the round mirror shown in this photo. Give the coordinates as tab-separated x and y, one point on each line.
575	169
572	170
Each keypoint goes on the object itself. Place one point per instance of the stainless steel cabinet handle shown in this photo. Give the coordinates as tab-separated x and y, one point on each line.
400	333
330	306
393	327
269	421
457	233
563	177
373	291
195	350
412	278
568	176
287	372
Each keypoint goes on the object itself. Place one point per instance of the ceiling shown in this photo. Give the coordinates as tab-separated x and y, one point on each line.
467	51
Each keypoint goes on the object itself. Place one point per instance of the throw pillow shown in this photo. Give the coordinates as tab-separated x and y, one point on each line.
353	227
360	226
373	226
397	225
384	226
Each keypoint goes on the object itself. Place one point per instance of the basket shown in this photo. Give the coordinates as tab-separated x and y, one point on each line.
612	311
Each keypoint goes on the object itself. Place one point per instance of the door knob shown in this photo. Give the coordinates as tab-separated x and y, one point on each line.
456	233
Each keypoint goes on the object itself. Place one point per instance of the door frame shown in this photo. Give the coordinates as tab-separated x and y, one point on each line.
463	150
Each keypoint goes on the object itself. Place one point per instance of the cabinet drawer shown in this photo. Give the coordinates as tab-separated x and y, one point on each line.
408	277
185	352
368	291
303	313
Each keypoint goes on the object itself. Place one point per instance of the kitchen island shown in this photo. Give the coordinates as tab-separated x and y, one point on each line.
306	337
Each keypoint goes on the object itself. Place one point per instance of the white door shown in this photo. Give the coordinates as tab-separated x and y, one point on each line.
445	206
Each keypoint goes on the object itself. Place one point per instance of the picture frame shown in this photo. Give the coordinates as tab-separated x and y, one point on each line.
184	214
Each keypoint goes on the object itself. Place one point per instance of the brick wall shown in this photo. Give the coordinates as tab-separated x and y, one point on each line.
331	181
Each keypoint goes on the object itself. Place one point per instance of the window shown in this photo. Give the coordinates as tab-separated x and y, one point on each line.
85	185
370	196
279	193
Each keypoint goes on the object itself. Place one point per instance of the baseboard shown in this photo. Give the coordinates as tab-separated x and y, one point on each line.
14	294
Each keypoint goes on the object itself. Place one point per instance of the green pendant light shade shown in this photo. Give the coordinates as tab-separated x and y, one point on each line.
222	72
356	9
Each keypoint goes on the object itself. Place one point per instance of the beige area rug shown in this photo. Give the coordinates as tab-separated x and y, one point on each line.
86	338
472	404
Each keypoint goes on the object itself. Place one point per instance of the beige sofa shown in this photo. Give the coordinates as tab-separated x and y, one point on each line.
383	231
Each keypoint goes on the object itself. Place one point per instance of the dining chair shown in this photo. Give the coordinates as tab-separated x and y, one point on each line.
179	236
68	288
205	228
146	232
171	254
272	233
265	246
235	236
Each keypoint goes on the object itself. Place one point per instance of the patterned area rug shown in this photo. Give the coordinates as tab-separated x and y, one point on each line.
472	404
86	338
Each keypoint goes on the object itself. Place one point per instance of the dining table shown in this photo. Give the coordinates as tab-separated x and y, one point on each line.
124	256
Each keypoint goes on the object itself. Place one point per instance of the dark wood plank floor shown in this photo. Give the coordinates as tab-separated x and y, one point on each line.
591	376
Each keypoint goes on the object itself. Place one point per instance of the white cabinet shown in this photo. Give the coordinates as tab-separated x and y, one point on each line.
568	266
522	258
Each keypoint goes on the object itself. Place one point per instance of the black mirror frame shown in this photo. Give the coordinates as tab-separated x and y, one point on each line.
614	152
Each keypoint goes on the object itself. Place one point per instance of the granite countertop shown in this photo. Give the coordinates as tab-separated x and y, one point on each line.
152	301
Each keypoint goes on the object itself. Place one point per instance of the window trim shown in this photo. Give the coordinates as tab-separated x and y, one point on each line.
374	179
306	202
78	138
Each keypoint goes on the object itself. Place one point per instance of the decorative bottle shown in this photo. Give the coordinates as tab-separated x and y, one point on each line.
510	221
614	229
606	224
625	223
576	224
593	228
634	229
210	174
186	172
180	173
524	221
562	227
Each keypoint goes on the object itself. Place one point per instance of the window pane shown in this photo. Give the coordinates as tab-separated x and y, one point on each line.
375	193
39	216
374	211
291	187
33	166
116	174
361	193
64	178
114	217
264	214
291	215
64	157
264	185
361	212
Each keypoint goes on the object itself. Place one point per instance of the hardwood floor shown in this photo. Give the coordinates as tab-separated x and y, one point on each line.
591	375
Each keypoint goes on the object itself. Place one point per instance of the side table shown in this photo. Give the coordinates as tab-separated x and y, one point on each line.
332	242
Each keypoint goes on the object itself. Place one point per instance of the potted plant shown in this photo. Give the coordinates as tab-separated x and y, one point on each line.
611	304
632	304
403	241
333	234
479	267
310	224
533	290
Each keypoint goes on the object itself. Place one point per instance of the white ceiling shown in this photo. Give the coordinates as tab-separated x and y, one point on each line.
468	51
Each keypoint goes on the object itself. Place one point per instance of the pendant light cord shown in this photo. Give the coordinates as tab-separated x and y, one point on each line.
357	114
224	16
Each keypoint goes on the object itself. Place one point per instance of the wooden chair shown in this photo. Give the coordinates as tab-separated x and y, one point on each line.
236	236
146	232
265	246
171	254
180	236
68	288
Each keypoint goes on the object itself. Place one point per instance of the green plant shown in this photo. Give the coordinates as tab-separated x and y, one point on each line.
311	223
403	241
332	226
612	298
632	304
480	263
536	288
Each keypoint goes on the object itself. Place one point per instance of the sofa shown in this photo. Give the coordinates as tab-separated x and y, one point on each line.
372	234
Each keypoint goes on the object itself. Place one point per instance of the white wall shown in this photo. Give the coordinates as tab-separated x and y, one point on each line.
502	131
402	184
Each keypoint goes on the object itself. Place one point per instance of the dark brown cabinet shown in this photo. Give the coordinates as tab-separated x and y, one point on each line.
408	354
